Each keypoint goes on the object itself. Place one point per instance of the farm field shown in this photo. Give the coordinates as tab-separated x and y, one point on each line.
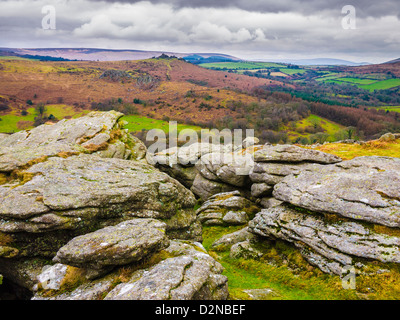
15	121
363	82
382	85
389	108
138	123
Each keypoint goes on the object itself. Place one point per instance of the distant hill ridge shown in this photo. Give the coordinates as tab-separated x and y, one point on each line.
96	54
394	61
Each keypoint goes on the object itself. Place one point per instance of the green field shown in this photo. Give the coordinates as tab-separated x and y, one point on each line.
357	80
14	121
138	123
382	85
12	58
389	108
290	72
369	84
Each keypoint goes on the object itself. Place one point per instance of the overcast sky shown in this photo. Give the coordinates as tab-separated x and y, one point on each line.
249	29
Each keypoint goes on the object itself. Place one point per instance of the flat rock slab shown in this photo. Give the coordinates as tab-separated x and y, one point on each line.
365	188
271	173
328	245
291	153
129	241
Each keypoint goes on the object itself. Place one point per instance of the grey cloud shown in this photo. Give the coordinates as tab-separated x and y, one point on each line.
365	8
252	28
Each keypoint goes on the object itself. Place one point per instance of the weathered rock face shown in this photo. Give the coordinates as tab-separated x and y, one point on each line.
291	153
72	178
273	163
365	188
223	171
205	188
224	167
179	163
98	132
272	173
232	238
226	208
82	192
184	271
328	244
129	241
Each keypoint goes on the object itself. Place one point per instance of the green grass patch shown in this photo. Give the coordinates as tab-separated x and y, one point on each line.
273	273
13	58
382	85
138	123
290	72
329	127
14	121
372	148
389	108
357	80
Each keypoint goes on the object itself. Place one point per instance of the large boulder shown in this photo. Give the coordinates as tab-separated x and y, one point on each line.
223	171
228	168
183	271
293	154
365	188
271	173
204	188
325	241
98	132
59	199
179	163
129	241
85	191
191	275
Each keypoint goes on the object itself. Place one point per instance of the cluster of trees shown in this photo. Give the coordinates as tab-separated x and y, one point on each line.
41	115
370	122
4	105
117	104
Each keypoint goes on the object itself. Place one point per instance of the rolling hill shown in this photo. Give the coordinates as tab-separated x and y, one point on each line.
95	54
153	91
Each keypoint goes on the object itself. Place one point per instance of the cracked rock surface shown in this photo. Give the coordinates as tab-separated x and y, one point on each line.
326	244
186	273
89	134
365	188
124	243
226	208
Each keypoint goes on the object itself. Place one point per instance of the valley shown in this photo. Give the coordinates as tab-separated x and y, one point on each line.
281	102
